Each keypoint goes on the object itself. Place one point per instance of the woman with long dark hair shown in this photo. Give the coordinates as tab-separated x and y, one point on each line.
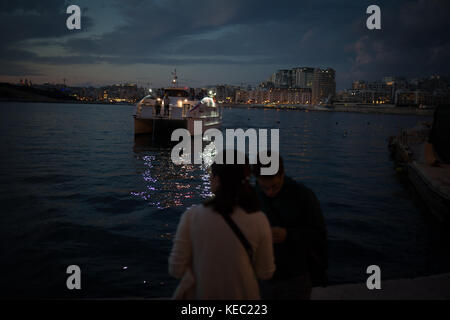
224	245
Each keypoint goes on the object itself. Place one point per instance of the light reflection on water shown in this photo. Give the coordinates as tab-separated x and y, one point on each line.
168	184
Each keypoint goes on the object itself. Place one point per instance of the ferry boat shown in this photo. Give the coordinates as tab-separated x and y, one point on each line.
176	107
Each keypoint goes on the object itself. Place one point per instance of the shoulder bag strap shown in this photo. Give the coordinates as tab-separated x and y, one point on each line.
240	235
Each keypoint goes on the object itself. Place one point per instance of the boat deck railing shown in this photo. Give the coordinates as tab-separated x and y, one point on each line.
174	112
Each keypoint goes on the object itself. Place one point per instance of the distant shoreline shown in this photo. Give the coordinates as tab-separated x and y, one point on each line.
67	101
355	109
303	108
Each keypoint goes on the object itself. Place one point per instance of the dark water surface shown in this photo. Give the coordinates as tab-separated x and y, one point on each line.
77	189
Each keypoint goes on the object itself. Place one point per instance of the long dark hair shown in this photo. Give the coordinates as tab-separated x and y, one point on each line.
234	187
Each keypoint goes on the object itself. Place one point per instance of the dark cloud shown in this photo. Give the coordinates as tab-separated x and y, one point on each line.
236	31
17	70
22	21
272	34
413	41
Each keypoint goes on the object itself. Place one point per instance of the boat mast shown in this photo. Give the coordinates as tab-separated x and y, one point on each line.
175	78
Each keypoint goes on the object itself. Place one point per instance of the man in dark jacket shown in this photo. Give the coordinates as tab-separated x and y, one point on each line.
437	148
299	236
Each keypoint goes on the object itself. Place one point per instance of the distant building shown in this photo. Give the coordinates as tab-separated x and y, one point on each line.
296	78
241	96
413	98
389	79
302	77
433	90
324	85
300	85
359	85
225	93
280	96
266	85
282	79
122	93
376	92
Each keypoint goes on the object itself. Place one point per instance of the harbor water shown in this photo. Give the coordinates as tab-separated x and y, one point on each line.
77	189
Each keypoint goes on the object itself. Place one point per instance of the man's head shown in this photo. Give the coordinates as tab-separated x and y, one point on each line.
270	184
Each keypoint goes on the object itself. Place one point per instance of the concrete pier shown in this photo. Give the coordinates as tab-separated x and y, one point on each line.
435	287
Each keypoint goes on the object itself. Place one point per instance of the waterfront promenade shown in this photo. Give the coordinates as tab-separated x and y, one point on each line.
436	287
386	109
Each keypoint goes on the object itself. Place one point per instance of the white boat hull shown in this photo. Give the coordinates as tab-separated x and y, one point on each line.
155	125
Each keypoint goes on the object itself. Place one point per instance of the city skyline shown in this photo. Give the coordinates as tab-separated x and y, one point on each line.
215	42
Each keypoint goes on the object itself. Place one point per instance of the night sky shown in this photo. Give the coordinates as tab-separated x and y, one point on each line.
215	41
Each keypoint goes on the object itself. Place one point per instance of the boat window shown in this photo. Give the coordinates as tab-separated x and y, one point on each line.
177	93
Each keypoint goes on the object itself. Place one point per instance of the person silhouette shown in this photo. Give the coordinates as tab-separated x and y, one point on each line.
224	245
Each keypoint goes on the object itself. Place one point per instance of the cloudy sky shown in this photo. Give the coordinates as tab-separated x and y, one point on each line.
215	41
